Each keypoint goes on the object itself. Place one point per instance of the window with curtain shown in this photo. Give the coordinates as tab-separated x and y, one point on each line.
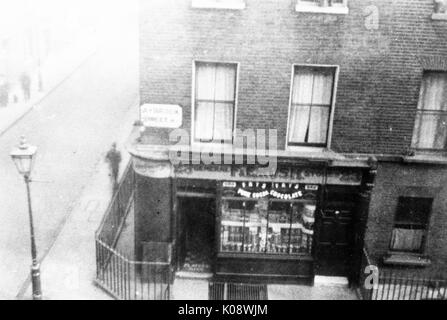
410	225
430	129
312	93
215	95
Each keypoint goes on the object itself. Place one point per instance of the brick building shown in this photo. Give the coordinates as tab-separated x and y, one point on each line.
354	89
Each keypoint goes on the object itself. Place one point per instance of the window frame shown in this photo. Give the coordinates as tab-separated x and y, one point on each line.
197	142
427	111
396	223
313	146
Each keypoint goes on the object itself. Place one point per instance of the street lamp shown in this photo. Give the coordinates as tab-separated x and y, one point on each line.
23	157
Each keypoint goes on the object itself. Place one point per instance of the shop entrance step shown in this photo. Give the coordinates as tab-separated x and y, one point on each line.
193	275
331	281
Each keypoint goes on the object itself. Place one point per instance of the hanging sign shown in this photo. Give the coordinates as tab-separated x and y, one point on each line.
161	115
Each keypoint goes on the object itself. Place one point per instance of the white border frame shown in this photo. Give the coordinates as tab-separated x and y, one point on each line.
218	4
331	115
193	104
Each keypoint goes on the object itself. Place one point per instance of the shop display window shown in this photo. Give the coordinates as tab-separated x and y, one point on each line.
267	226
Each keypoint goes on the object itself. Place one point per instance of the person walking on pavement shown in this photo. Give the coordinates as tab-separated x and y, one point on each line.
113	157
4	91
25	81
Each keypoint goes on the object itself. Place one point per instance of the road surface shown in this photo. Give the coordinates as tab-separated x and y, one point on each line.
72	127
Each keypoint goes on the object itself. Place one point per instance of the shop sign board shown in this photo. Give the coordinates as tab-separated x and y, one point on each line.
289	174
161	115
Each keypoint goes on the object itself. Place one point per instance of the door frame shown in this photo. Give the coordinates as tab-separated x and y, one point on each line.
180	231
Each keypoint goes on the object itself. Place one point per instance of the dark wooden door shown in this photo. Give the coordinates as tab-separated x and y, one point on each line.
335	242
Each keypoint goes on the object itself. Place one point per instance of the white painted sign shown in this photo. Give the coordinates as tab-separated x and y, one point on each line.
161	115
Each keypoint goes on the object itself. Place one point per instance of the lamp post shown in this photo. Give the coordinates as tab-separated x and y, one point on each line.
23	157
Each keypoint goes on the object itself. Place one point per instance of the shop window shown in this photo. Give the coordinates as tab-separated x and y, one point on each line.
219	4
323	6
410	225
430	130
215	96
311	105
267	226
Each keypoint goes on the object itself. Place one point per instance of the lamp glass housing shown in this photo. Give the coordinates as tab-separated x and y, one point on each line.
23	158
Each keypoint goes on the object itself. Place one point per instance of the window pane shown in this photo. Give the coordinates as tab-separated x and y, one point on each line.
407	239
299	123
319	120
433	91
256	227
303	218
302	86
223	121
413	210
243	226
204	121
322	87
278	237
232	226
225	83
430	131
205	81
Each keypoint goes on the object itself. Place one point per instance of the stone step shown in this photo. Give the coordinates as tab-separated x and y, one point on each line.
331	281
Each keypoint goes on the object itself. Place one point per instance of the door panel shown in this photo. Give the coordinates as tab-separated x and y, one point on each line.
335	241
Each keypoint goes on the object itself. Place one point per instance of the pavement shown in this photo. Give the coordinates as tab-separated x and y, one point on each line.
73	127
68	270
196	289
58	67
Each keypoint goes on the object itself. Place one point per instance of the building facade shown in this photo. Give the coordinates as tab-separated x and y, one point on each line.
280	138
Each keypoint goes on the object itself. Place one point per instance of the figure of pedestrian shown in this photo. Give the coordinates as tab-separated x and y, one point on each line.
4	91
113	157
25	81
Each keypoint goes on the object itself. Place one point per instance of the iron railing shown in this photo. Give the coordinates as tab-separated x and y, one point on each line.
392	286
237	291
125	279
115	216
119	275
383	284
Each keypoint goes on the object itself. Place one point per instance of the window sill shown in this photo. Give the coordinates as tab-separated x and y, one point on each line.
439	16
406	259
318	9
427	158
213	4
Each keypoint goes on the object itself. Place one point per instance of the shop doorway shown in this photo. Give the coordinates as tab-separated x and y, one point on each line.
196	234
335	243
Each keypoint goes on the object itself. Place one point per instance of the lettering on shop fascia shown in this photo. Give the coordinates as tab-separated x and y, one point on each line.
282	174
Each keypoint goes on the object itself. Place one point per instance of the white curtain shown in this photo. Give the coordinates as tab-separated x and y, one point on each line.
321	100
430	130
225	91
406	239
312	93
302	95
214	117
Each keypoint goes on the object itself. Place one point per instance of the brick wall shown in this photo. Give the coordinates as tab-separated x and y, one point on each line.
380	69
395	180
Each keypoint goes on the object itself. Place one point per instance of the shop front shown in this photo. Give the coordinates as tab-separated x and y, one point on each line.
235	223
